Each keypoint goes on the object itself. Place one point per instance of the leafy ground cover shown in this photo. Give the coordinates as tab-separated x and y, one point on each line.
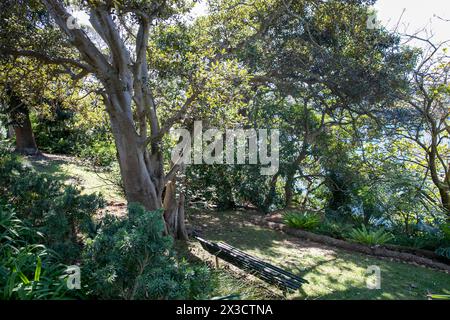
332	273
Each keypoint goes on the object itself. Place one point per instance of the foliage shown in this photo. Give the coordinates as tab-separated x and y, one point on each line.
230	186
131	259
423	240
57	211
445	228
28	270
334	229
219	182
80	130
370	237
332	273
302	220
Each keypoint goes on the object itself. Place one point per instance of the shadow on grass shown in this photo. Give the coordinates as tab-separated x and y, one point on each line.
51	167
245	237
347	278
332	273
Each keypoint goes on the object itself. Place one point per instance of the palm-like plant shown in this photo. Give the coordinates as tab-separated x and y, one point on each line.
301	220
370	237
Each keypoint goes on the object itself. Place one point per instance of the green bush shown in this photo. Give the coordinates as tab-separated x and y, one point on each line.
302	220
334	229
42	202
99	152
131	259
443	252
49	225
28	270
421	240
439	296
445	229
370	237
66	132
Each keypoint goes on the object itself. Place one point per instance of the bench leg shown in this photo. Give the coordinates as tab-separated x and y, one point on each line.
217	262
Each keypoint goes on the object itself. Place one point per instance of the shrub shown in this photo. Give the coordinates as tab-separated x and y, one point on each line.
57	211
302	220
125	258
421	239
334	229
443	252
28	270
131	259
370	237
83	134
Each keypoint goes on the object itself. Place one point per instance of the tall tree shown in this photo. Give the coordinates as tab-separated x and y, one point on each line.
119	53
19	118
310	69
424	116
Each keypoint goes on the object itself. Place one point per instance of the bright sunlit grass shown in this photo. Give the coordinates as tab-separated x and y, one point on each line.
331	273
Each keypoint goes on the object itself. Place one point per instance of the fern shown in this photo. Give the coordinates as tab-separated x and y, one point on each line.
301	220
444	252
369	237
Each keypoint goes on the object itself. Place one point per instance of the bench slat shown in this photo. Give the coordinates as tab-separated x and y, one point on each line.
284	272
266	276
274	271
261	269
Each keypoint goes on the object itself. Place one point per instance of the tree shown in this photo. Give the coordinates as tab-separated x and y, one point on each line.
117	53
311	70
426	116
20	120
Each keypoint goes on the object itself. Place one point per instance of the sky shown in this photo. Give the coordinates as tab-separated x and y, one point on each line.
406	16
414	15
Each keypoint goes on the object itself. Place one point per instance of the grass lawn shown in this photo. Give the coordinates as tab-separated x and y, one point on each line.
332	273
71	170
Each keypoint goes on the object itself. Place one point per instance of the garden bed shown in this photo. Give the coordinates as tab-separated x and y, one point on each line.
421	257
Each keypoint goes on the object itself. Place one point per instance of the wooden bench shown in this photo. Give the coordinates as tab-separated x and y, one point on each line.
271	274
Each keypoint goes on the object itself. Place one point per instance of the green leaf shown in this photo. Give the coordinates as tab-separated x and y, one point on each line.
439	296
37	272
23	278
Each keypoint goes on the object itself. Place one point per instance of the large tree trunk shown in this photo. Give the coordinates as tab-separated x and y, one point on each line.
20	116
141	177
174	214
132	109
288	190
